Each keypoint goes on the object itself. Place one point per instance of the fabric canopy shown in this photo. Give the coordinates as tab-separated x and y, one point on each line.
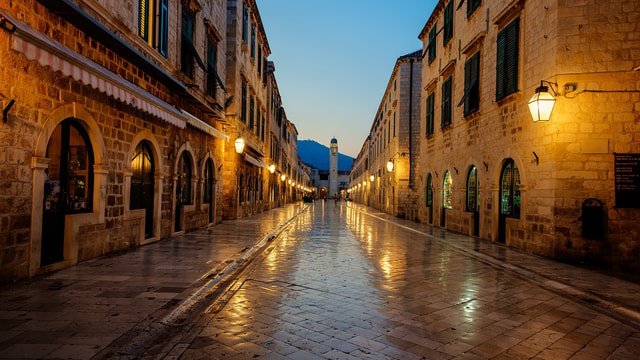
47	52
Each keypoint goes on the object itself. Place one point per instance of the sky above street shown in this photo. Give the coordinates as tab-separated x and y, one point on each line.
334	58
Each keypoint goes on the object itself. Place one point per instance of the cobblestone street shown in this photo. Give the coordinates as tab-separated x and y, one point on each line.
321	282
347	284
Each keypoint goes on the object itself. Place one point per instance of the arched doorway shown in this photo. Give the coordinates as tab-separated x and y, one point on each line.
447	191
208	191
323	193
429	198
68	186
509	197
142	184
183	187
473	198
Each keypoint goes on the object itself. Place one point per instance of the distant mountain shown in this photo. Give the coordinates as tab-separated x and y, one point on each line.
317	155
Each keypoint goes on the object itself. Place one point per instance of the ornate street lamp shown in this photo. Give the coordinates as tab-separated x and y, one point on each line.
541	103
239	145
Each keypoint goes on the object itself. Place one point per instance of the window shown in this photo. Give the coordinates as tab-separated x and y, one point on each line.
251	111
447	191
243	109
212	74
258	119
448	23
507	60
394	124
153	16
510	190
259	60
253	42
471	98
472	5
432	43
429	192
263	124
186	55
245	24
473	193
430	110
446	103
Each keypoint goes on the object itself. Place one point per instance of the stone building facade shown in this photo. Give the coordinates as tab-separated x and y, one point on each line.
384	173
116	130
546	187
566	188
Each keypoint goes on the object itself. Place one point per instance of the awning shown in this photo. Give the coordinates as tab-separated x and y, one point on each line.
203	126
257	162
48	52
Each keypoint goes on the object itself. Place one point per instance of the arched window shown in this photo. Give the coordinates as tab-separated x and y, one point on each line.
429	192
473	194
447	191
142	183
510	190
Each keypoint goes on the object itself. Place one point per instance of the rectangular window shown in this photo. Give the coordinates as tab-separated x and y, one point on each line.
263	124
446	103
163	28
258	119
472	5
211	70
448	23
251	112
259	60
243	110
245	24
253	42
507	60
394	124
432	43
430	113
471	98
186	56
146	17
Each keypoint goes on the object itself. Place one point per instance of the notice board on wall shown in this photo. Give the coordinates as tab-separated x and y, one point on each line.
627	172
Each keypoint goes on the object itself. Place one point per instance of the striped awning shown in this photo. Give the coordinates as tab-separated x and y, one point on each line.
48	52
203	126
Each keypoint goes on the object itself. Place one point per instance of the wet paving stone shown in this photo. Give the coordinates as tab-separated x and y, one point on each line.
342	284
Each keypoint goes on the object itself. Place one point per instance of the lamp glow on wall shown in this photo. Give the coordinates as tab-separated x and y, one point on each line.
372	177
542	102
272	168
239	145
283	177
390	165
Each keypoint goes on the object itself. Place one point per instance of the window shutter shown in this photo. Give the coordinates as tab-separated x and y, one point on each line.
448	23
432	44
511	57
507	60
164	28
446	103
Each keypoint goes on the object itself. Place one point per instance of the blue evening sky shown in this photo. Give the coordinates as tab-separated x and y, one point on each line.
334	58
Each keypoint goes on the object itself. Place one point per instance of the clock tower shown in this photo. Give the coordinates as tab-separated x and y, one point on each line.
333	168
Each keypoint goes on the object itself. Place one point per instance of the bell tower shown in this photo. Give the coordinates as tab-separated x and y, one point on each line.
333	168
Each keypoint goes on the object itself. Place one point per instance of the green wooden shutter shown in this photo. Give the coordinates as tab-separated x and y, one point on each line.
448	23
432	43
507	60
243	114
430	114
446	103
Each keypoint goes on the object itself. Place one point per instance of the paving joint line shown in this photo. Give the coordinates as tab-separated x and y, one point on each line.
142	340
616	310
